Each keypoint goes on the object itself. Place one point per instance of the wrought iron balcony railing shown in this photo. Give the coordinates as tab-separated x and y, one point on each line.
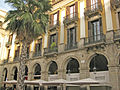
71	18
36	54
115	4
93	10
51	50
5	61
117	34
94	39
71	46
53	25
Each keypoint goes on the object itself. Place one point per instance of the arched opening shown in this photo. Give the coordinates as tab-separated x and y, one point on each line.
98	63
72	66
15	72
37	71
5	74
53	68
26	72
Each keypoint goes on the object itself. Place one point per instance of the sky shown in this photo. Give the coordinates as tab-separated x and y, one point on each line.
4	6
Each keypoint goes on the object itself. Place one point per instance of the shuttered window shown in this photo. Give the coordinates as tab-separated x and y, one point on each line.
71	36
17	52
54	18
72	10
38	47
53	39
95	29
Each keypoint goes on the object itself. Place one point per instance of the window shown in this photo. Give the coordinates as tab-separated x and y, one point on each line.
37	72
71	36
53	39
95	29
54	18
38	47
94	4
72	11
17	53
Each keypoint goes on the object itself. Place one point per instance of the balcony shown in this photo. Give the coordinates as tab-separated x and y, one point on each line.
115	4
50	51
71	46
117	34
5	61
71	18
37	54
53	25
93	10
94	40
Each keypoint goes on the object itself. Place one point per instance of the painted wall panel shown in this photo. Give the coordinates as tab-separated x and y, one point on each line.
109	23
82	20
62	26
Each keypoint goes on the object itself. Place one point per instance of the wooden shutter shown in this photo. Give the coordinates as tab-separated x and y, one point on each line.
88	3
8	54
119	18
76	7
101	29
58	17
74	35
56	38
67	10
51	19
53	1
89	29
68	37
35	47
99	1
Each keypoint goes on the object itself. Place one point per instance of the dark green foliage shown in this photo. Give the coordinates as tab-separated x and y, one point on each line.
28	19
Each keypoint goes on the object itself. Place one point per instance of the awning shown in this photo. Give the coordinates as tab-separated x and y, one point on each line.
56	82
84	82
10	82
35	82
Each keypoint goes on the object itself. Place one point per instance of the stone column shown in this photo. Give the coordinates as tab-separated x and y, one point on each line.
84	71
60	74
44	75
30	75
114	77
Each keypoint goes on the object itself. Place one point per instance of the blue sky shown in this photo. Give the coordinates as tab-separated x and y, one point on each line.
4	6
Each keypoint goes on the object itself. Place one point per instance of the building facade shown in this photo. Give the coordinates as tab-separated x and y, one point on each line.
83	40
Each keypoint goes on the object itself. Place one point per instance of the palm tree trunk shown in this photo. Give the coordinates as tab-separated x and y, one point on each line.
21	73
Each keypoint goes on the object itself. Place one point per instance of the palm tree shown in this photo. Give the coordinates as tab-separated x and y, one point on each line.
28	20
